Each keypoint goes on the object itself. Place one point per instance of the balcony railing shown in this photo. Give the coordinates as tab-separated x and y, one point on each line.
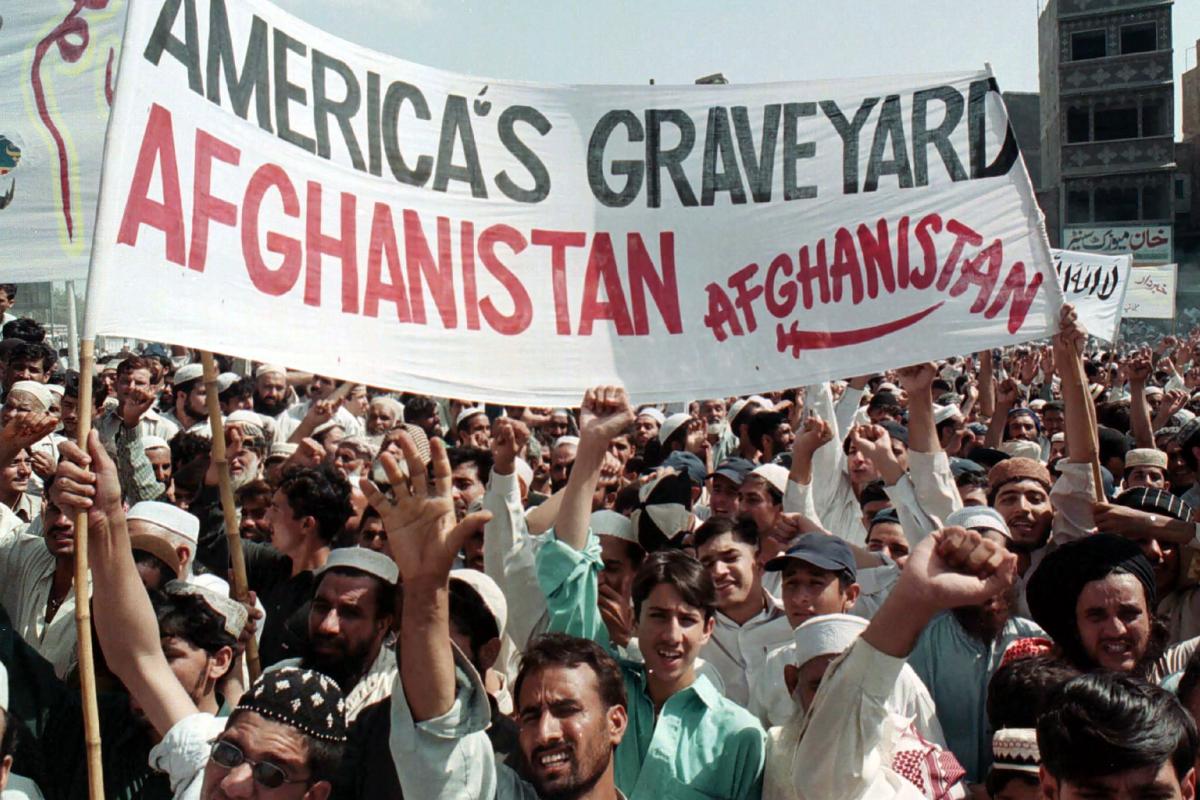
1068	7
1123	155
1115	72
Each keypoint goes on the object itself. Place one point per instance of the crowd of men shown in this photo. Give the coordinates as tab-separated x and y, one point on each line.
974	578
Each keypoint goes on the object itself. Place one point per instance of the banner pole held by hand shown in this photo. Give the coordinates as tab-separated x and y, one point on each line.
236	556
83	611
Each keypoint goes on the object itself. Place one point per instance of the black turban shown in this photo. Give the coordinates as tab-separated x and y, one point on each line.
1058	581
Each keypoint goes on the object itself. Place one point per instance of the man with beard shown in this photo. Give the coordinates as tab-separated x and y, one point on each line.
750	623
958	652
1095	596
349	622
188	410
772	434
271	391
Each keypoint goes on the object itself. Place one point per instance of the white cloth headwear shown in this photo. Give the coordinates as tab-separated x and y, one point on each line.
670	425
1022	448
56	389
152	442
167	516
467	413
943	413
270	369
188	373
774	474
573	441
225	380
826	635
37	391
610	523
523	470
362	559
653	413
488	591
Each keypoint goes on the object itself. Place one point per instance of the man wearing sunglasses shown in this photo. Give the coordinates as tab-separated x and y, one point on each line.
287	733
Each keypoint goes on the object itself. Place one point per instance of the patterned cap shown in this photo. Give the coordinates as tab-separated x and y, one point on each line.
1155	501
302	698
1026	647
1016	750
232	613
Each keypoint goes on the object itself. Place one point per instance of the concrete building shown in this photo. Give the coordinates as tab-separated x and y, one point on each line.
1107	120
1025	117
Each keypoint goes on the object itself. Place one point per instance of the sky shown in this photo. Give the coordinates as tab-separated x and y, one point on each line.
673	41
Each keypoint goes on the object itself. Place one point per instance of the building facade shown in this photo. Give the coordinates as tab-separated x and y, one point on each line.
1107	114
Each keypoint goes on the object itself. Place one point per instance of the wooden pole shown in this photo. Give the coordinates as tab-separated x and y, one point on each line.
83	611
236	557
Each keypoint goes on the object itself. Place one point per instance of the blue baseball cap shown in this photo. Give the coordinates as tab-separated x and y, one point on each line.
735	469
688	464
822	550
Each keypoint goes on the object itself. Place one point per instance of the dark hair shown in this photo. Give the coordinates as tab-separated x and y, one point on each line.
998	778
132	363
742	531
1191	677
419	406
561	650
885	401
1113	415
470	615
9	289
680	571
627	499
385	593
25	351
873	492
26	329
1113	444
972	480
1105	723
1018	692
320	493
482	459
763	424
71	387
187	447
161	568
324	758
254	490
190	618
1054	405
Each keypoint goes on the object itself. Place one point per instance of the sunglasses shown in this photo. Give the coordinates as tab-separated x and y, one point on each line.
228	755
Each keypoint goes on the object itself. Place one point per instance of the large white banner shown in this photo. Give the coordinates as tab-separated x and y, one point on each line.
58	65
275	193
1096	286
1151	292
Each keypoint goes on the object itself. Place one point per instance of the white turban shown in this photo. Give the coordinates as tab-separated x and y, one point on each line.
827	635
35	390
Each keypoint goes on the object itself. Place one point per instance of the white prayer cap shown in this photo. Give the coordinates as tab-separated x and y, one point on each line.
943	413
974	517
653	413
270	369
390	402
1058	437
233	612
362	559
489	593
1022	448
610	523
523	470
188	373
774	474
467	413
56	389
671	425
573	441
1153	391
167	516
225	380
152	442
1037	404
324	426
244	416
827	635
283	449
35	390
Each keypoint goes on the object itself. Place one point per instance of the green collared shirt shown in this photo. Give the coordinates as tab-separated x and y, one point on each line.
700	745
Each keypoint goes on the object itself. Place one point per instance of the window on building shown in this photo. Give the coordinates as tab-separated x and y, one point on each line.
1077	125
1115	123
1154	118
1079	206
1116	204
1154	202
1140	38
1180	189
1088	44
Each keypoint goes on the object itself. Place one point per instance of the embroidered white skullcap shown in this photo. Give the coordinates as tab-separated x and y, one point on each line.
671	424
826	635
390	402
326	425
362	559
246	416
653	413
270	369
1058	437
573	441
1145	457
610	523
165	515
37	391
1022	448
152	442
233	612
1037	403
493	599
943	413
1154	391
188	373
774	474
523	470
971	517
467	413
56	389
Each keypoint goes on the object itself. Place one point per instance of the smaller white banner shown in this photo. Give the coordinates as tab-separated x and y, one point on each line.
1151	292
1095	284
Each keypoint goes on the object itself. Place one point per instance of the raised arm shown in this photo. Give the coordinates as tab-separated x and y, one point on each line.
1068	354
604	414
1139	409
1006	398
987	388
125	621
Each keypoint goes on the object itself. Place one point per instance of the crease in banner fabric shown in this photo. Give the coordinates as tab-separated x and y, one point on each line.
273	192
